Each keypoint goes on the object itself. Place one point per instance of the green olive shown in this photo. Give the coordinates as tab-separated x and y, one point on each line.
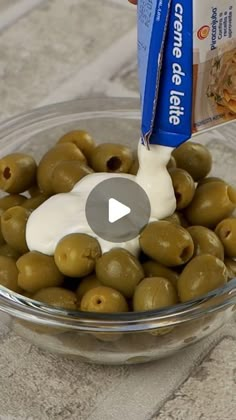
26	294
212	203
173	218
194	158
86	284
65	151
17	172
7	251
8	273
82	139
13	223
206	242
58	297
184	187
231	267
67	173
154	293
177	218
103	299
134	167
11	200
34	202
37	271
166	243
34	191
76	254
109	157
155	269
201	275
226	231
171	164
120	270
209	179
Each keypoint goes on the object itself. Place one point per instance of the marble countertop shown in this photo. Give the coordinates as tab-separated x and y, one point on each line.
54	50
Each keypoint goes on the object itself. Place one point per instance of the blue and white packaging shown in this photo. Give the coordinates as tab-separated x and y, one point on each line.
184	47
152	27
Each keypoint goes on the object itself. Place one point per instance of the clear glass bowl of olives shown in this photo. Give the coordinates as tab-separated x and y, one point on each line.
181	288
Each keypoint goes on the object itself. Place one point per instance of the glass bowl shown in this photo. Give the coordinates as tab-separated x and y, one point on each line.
105	338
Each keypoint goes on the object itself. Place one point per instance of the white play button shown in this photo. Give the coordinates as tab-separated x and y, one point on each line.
117	210
108	204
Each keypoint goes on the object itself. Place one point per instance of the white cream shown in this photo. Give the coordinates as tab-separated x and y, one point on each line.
154	178
63	214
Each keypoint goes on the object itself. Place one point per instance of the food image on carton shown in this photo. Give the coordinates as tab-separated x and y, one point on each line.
214	63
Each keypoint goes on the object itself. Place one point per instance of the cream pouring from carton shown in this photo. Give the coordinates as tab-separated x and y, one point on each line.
187	67
186	54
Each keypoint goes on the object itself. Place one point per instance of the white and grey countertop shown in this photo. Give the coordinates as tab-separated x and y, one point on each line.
54	50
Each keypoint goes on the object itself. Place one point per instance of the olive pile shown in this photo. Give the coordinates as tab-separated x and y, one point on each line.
182	257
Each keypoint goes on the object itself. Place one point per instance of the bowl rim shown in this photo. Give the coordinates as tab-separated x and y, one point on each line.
35	312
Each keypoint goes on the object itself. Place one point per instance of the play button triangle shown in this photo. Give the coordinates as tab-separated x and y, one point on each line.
117	210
